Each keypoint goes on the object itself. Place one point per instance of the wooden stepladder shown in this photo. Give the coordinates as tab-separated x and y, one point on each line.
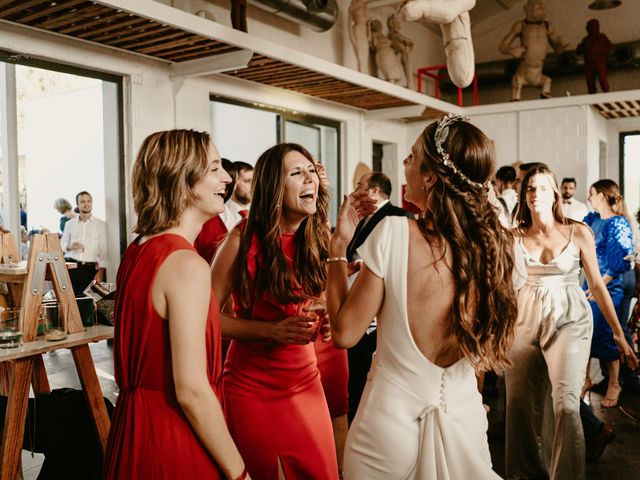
22	367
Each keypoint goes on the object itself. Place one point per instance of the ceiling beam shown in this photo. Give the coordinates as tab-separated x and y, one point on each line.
213	64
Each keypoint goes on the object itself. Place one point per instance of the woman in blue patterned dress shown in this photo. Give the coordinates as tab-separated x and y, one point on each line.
614	241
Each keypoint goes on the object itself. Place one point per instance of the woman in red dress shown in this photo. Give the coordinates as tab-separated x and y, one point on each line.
271	265
168	422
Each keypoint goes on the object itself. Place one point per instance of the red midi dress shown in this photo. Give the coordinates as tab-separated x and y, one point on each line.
334	372
275	406
150	437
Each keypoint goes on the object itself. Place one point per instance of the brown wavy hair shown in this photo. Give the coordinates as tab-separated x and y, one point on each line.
611	192
312	238
523	215
460	216
169	164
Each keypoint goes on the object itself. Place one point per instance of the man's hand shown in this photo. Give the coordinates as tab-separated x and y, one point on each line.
75	247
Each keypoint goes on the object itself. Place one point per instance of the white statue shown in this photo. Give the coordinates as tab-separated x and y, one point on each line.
455	24
360	32
535	35
402	46
388	62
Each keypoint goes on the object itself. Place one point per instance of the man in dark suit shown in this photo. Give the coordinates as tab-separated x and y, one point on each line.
379	187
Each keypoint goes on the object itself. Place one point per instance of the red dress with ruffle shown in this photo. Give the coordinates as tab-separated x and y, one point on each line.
274	403
150	436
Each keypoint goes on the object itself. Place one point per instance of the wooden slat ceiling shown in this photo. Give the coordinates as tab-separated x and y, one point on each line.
621	109
104	25
280	74
100	24
426	115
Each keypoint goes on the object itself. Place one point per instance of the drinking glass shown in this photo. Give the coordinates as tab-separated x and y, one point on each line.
11	335
54	321
315	309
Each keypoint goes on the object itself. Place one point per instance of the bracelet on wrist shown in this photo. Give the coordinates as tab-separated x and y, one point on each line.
243	475
337	259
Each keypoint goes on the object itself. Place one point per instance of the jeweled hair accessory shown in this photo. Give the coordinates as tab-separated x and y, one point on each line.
442	132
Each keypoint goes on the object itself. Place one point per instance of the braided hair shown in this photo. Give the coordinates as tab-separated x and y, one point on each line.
459	216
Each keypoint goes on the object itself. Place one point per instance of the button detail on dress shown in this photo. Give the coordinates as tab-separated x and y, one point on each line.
443	404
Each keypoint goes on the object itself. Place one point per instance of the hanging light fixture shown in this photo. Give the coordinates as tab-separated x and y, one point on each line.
604	4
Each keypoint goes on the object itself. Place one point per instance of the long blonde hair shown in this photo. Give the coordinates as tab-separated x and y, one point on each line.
459	214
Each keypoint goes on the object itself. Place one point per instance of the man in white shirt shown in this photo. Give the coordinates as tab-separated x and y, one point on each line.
572	208
237	207
84	241
506	180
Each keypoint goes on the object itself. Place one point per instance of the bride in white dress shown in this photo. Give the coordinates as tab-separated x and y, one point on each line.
441	289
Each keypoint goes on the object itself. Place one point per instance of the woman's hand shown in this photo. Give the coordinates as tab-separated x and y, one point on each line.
627	354
297	330
354	207
322	175
319	312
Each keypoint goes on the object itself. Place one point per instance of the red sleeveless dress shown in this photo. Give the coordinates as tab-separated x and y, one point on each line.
273	397
150	436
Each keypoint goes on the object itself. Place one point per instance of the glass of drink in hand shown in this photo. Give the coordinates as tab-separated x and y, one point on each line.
315	308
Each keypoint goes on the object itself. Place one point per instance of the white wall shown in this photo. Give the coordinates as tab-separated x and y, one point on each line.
555	136
502	128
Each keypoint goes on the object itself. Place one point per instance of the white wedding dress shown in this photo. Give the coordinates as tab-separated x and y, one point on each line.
416	420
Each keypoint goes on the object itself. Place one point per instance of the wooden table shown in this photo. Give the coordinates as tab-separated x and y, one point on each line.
23	366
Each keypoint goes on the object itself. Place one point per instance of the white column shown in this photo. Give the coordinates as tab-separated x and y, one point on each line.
9	138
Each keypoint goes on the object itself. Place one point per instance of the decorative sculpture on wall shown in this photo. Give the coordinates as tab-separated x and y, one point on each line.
455	24
535	34
402	46
595	47
360	32
239	14
387	61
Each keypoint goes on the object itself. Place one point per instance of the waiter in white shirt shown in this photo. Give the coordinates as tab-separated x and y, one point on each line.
506	179
84	242
237	207
572	208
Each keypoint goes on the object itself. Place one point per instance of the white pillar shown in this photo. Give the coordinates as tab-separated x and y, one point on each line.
9	138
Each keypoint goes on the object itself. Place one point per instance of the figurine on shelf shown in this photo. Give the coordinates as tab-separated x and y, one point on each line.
360	32
455	24
535	34
387	61
595	47
402	46
239	15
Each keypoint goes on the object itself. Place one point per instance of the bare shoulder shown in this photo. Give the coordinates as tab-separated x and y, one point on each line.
582	232
413	227
184	269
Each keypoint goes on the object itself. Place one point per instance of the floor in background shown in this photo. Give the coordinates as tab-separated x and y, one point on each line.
620	459
62	373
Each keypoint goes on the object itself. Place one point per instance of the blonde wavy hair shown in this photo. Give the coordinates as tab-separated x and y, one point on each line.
168	166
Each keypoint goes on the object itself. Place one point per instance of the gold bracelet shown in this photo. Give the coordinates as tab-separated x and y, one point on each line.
337	259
